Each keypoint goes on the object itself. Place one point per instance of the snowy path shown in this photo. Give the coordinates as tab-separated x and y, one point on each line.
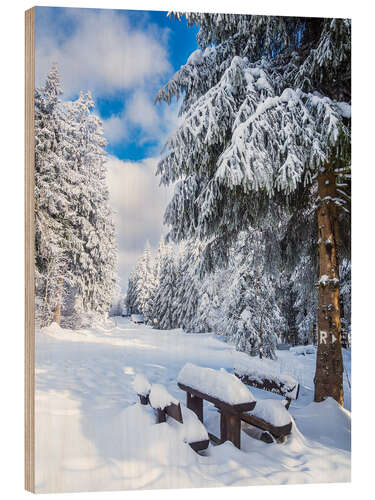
92	436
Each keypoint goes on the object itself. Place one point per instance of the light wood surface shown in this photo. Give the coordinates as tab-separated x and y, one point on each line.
29	252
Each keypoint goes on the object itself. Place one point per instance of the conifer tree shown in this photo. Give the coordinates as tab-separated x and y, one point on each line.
165	300
253	317
51	201
131	296
266	115
145	287
187	289
92	245
74	238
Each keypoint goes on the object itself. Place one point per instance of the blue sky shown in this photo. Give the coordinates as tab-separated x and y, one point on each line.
73	31
123	57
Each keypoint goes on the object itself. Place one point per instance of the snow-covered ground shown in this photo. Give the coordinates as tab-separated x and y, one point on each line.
91	433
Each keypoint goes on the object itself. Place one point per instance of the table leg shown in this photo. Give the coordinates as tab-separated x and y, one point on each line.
195	404
161	416
230	428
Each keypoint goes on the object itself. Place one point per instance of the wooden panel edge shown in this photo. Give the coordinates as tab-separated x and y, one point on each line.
29	252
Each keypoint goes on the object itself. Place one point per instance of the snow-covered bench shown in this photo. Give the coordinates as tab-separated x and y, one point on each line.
164	404
223	390
269	421
263	375
270	416
194	432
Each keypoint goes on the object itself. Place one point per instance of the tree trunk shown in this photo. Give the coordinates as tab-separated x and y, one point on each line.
329	366
57	311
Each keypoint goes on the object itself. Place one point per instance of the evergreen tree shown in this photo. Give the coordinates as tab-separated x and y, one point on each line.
187	314
165	301
51	201
266	114
252	312
145	287
92	245
74	239
131	296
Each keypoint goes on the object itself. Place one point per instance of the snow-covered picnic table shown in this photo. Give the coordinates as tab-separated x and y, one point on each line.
235	402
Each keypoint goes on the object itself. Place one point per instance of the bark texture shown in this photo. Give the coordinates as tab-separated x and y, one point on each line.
329	365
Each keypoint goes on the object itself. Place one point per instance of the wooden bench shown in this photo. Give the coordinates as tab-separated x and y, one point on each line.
174	411
285	386
272	384
265	429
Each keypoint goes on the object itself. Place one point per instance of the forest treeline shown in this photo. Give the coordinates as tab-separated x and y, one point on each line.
247	301
75	251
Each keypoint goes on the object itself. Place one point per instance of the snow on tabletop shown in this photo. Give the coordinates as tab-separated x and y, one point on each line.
160	397
260	369
272	411
217	383
141	385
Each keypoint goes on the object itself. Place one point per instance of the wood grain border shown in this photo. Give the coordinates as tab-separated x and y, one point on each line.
29	252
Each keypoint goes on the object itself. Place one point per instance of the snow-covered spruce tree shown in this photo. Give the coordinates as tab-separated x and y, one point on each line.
253	315
145	285
286	298
156	268
74	237
187	289
266	113
131	295
92	257
52	202
305	301
165	296
212	294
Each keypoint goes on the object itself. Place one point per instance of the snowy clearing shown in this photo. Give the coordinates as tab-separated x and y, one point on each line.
92	434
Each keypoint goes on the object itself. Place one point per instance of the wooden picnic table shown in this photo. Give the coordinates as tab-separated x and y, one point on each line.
230	414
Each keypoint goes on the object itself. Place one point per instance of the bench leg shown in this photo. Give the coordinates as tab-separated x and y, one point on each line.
161	416
230	428
144	399
195	404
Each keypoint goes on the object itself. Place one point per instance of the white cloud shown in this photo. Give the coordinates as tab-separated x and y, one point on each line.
139	203
156	122
102	52
141	111
115	128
